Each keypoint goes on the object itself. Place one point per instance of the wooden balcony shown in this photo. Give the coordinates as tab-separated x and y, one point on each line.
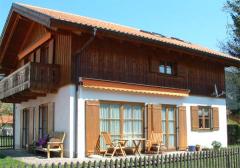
29	82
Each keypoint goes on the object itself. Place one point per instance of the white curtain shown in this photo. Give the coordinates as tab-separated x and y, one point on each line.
164	123
133	121
171	125
109	121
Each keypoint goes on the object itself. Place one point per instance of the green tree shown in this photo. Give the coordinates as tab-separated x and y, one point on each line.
232	47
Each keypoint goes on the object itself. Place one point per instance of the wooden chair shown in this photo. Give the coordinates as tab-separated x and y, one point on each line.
55	144
154	144
112	146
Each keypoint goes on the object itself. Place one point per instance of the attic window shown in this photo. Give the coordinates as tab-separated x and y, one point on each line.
166	68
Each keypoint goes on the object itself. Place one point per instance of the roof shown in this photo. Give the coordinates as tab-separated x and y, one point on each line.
133	88
47	17
6	119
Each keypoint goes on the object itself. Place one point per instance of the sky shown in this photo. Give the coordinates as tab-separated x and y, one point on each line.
202	22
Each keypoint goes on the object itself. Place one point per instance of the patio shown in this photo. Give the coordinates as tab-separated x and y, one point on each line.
29	158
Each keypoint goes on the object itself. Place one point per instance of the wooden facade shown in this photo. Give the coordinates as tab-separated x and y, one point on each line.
113	60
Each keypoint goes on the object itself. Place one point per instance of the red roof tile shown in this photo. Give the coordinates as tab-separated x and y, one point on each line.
6	119
86	21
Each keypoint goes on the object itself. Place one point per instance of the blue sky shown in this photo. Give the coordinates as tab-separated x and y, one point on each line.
199	21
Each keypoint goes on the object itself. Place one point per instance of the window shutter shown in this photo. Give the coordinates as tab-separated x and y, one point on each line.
50	117
154	113
215	118
157	118
194	118
92	109
182	128
149	120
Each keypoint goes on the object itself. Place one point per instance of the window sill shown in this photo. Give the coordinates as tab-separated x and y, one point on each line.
204	130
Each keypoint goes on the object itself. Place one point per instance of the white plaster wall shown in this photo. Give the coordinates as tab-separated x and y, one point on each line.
17	127
202	138
63	117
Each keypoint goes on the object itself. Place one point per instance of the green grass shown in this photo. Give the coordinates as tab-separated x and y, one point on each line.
8	161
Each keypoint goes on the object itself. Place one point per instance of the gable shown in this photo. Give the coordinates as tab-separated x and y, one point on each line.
20	34
35	32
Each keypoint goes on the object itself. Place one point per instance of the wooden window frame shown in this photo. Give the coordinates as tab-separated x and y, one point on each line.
165	64
204	118
121	104
166	122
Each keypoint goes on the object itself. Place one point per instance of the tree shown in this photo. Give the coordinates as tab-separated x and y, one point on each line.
232	47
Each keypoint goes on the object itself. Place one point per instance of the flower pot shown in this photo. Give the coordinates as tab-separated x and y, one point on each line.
198	148
191	148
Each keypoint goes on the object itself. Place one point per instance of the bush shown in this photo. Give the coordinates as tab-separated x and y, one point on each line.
216	145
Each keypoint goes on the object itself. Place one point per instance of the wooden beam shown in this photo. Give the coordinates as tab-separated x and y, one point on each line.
38	43
27	36
10	36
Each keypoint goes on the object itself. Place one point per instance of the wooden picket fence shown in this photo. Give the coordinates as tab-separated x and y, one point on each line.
224	158
6	142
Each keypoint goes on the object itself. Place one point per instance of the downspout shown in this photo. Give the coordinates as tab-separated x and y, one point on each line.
78	53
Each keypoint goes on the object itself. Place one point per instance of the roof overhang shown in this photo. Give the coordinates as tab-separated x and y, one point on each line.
55	22
133	88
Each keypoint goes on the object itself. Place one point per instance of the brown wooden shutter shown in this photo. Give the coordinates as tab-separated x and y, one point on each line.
50	117
194	118
154	113
92	114
30	126
215	118
149	120
157	118
182	128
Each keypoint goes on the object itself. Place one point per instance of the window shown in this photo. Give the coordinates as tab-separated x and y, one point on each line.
204	117
166	68
122	120
44	54
169	126
43	121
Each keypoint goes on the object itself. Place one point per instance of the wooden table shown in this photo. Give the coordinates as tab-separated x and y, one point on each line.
136	142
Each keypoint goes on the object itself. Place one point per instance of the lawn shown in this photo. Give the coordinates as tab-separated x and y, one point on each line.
8	161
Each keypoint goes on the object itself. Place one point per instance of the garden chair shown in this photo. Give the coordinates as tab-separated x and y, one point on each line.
112	146
155	143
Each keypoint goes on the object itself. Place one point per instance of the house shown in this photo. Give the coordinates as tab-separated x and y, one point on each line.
83	76
6	120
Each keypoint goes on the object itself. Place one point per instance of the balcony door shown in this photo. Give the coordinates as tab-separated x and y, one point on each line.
169	126
25	127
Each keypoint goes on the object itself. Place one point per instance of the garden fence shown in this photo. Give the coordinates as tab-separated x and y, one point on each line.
224	158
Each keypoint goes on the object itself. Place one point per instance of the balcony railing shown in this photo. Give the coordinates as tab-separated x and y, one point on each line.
34	77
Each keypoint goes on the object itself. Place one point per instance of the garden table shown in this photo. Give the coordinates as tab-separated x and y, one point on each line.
136	142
